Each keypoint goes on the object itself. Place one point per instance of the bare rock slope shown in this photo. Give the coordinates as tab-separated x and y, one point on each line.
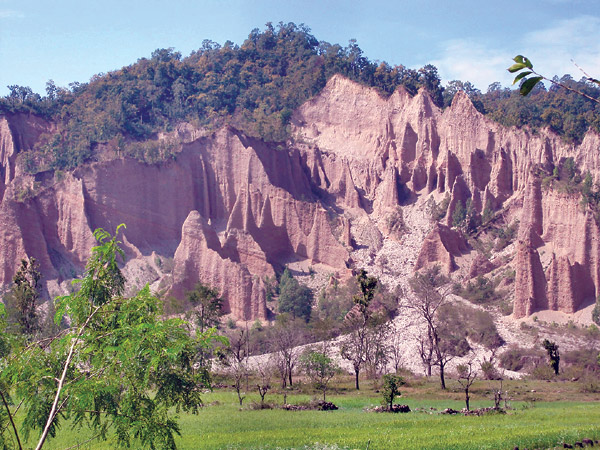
354	187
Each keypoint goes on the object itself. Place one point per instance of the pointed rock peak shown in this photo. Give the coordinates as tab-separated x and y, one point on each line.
591	138
461	103
195	222
197	227
401	95
424	102
339	81
193	217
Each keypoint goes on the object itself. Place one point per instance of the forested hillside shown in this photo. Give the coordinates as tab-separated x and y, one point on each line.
254	88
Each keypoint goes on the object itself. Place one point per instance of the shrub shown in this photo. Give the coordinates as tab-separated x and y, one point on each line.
294	298
390	389
504	236
439	210
542	372
481	291
584	358
474	324
395	223
596	312
488	370
517	358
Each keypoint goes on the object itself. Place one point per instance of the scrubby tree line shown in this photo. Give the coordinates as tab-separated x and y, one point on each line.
254	87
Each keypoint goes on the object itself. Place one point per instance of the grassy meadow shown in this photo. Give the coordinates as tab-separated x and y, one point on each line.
541	415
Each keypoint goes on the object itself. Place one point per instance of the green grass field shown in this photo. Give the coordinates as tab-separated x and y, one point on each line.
222	425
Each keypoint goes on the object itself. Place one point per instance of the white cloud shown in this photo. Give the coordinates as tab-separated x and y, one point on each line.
468	60
550	49
10	14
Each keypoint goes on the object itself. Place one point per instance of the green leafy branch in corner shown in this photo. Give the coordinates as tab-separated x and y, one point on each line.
120	366
530	78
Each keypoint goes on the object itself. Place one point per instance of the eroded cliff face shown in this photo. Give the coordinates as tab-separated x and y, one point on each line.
461	153
227	212
231	210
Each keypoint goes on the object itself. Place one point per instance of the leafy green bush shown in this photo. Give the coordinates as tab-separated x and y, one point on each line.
466	322
482	291
294	298
489	370
504	236
439	210
390	389
583	358
542	372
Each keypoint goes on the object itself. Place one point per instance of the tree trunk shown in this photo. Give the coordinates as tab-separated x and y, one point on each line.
356	372
442	379
290	376
428	368
467	398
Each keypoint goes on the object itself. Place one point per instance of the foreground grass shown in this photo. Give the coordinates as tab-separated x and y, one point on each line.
222	425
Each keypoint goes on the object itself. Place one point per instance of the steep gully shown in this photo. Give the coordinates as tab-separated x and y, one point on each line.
231	210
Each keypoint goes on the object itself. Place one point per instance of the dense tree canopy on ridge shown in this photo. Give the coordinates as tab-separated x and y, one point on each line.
254	88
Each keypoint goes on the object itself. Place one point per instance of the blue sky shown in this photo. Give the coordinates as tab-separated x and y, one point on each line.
68	40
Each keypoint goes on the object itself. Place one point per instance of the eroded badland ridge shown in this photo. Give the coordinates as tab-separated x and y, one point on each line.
354	187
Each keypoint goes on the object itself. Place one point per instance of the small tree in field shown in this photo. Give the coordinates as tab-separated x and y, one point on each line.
319	368
438	344
285	337
235	358
466	378
553	355
355	347
264	372
391	389
207	306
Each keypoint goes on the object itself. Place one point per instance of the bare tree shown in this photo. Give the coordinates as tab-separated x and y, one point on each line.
235	359
378	347
466	378
354	349
264	372
286	335
430	292
425	347
355	346
396	350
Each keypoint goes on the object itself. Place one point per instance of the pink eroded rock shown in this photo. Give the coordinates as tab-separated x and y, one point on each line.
353	155
530	282
441	246
200	257
480	266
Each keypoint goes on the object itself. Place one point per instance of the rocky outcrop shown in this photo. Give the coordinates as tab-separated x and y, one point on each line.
246	208
18	133
200	257
530	282
231	209
480	265
557	222
441	247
